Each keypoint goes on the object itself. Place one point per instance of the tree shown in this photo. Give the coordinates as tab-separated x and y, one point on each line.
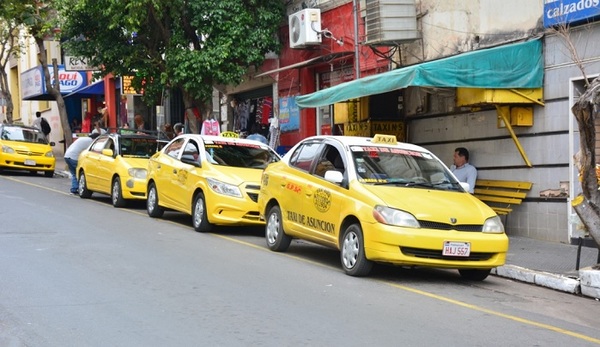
36	18
190	45
587	205
10	25
40	20
585	110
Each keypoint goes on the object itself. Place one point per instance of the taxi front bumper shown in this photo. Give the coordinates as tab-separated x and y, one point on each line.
226	210
36	163
423	247
134	188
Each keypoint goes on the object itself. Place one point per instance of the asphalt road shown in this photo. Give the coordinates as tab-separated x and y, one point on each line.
77	272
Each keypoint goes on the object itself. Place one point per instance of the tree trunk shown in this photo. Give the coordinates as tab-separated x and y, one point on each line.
190	104
55	92
587	204
5	94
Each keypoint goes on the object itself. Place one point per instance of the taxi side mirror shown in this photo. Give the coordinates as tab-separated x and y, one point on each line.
334	176
189	159
107	152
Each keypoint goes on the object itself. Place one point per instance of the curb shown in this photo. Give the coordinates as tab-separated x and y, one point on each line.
540	278
63	174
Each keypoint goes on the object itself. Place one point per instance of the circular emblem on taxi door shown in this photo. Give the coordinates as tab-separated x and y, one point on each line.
322	200
453	220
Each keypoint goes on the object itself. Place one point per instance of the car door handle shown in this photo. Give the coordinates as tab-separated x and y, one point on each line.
175	171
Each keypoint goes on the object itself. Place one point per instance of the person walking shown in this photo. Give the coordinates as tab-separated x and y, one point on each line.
72	157
37	122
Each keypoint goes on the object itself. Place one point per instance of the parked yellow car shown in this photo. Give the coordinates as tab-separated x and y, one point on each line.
25	148
211	178
116	164
379	201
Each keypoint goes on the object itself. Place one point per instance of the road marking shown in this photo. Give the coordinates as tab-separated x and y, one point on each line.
435	296
405	288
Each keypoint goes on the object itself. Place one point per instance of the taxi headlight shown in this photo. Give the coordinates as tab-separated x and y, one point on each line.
7	149
137	173
386	215
224	188
49	154
493	226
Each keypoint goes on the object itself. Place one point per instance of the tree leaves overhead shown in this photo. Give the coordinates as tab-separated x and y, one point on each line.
190	44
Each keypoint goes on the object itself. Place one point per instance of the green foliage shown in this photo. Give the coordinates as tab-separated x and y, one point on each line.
187	44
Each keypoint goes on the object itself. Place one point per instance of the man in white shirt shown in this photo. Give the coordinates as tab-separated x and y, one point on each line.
464	171
37	122
72	156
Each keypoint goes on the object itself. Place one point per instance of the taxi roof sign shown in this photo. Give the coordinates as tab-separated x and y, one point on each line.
385	139
230	134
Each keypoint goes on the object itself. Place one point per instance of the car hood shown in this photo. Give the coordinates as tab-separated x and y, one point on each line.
28	146
433	205
135	162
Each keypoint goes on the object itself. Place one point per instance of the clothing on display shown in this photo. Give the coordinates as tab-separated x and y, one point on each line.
210	127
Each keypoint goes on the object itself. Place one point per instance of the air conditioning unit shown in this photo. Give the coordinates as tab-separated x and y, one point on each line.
305	28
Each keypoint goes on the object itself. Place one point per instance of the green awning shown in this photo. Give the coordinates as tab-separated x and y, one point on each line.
518	65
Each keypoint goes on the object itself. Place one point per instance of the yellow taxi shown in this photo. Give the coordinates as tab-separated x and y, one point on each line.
379	201
116	164
214	179
25	148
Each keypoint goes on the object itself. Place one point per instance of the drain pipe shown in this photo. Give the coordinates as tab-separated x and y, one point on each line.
356	53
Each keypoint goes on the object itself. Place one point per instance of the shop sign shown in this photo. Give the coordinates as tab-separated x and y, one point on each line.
126	86
564	12
357	129
77	64
33	81
289	114
388	128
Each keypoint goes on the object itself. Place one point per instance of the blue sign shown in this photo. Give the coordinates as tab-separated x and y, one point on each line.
289	114
558	12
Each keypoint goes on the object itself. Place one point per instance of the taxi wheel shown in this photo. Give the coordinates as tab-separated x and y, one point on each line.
276	238
352	253
199	219
117	193
84	193
152	207
473	274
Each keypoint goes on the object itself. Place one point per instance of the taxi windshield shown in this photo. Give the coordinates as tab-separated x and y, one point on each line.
23	135
240	155
400	167
138	147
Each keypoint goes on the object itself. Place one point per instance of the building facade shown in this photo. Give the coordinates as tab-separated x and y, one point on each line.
515	130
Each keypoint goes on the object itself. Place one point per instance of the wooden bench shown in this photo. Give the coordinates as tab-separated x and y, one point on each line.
501	195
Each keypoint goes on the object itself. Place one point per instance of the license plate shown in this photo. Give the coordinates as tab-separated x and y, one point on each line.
456	249
29	162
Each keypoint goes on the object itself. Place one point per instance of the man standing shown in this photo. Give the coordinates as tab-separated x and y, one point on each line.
37	122
72	156
464	171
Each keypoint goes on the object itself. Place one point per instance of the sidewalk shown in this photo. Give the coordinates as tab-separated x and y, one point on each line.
552	265
548	264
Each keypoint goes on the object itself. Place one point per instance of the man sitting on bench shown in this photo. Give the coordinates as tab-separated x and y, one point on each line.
464	171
